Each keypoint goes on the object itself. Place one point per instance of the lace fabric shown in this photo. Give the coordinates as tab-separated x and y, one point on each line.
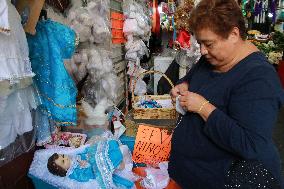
4	21
15	117
57	92
14	60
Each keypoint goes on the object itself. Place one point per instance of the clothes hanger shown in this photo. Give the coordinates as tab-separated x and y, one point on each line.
43	14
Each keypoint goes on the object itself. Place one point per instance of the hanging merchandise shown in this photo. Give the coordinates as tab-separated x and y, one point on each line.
4	21
257	11
91	62
273	7
15	62
172	6
91	22
183	39
155	18
137	29
182	15
101	82
60	5
52	44
186	44
16	93
117	20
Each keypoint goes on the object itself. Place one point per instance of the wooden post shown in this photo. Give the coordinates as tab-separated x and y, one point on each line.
35	7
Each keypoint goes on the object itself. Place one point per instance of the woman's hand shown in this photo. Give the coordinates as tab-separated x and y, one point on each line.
178	89
194	102
191	101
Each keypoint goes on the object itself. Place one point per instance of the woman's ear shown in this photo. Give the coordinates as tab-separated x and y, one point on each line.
234	36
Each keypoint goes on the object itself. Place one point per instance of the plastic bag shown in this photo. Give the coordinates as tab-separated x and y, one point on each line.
156	178
130	26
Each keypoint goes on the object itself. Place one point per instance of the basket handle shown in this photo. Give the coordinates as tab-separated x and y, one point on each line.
150	72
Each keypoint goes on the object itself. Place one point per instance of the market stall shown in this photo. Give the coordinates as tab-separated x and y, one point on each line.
88	83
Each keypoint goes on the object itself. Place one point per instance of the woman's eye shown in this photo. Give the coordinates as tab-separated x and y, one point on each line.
209	45
63	161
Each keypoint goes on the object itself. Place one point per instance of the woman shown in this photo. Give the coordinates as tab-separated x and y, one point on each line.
232	97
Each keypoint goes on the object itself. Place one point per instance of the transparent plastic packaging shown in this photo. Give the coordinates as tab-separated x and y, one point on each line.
23	143
91	22
156	178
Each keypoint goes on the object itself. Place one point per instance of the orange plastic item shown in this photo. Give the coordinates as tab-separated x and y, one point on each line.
141	172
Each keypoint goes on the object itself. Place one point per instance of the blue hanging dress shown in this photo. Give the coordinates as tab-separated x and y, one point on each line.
52	43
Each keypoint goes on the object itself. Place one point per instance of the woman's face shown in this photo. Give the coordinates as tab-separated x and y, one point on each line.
217	50
63	161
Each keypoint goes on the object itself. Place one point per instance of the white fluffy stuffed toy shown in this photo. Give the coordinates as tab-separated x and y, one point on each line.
97	115
90	22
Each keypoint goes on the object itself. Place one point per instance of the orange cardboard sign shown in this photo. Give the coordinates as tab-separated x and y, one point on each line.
116	33
116	15
118	40
117	24
152	145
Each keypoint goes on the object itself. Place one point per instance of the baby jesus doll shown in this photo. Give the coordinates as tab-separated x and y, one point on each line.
97	161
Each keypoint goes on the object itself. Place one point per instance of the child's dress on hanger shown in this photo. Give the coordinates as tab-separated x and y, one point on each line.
16	92
57	92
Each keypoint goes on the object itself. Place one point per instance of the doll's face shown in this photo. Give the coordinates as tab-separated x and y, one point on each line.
63	161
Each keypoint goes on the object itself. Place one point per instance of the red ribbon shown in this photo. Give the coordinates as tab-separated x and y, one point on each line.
183	39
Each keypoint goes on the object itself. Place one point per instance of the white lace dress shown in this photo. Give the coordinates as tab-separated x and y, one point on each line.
14	53
16	93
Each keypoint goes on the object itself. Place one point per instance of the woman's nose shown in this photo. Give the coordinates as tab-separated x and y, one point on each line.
203	50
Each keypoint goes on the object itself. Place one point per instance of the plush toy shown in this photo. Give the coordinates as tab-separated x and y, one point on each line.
97	115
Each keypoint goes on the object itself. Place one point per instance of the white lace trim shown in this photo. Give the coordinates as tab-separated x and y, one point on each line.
104	164
74	164
14	69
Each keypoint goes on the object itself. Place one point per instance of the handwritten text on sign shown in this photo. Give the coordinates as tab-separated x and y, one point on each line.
152	145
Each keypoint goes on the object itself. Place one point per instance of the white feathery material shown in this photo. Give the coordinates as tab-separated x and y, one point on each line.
96	116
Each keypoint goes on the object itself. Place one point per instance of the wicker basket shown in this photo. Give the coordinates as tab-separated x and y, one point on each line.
152	113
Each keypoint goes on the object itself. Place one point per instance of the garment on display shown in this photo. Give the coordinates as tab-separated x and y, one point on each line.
15	61
57	92
17	97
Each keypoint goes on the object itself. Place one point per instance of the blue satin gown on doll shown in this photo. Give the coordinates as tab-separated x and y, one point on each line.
53	43
102	159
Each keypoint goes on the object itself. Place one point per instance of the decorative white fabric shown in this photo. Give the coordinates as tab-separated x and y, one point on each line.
4	21
15	115
14	60
130	26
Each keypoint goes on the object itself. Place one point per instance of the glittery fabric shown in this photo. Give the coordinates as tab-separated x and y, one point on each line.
15	115
102	159
57	92
43	128
250	175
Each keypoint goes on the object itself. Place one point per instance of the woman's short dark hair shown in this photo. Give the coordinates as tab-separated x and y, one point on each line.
54	168
220	16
